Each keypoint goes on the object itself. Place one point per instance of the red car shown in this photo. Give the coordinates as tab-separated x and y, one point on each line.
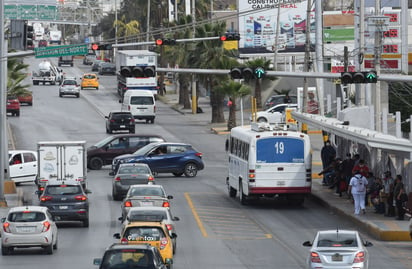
26	99
13	105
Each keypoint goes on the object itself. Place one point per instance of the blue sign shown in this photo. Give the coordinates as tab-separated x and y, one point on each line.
86	40
280	150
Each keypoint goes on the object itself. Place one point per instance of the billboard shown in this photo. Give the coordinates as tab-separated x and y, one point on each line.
258	26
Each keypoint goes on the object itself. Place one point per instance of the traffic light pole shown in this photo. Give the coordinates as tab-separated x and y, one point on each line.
377	60
3	125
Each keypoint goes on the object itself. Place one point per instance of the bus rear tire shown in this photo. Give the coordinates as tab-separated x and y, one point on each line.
232	191
242	197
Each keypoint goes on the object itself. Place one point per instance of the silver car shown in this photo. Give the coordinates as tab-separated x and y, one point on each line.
338	249
69	86
153	213
28	226
144	195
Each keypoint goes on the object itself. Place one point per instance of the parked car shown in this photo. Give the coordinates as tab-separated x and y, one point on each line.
153	213
274	114
26	227
280	99
104	151
66	202
26	98
22	166
120	121
69	86
106	68
13	105
130	174
338	249
89	80
140	195
131	256
165	157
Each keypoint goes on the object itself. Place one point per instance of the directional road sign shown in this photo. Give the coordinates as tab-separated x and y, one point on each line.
57	51
31	12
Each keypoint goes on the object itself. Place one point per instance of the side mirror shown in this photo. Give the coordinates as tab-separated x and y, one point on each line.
116	235
120	218
173	235
307	244
97	261
87	191
120	101
3	220
367	244
106	117
176	218
169	197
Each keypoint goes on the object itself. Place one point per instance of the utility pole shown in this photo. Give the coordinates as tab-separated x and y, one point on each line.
194	97
275	56
3	125
306	66
148	21
377	64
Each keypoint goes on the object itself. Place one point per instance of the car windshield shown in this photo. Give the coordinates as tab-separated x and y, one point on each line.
337	240
133	170
144	234
89	76
146	192
63	190
69	82
103	142
127	258
26	216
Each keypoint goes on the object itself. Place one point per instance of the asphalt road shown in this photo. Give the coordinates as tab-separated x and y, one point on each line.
214	230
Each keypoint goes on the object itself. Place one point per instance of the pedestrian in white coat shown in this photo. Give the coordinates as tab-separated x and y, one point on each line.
357	186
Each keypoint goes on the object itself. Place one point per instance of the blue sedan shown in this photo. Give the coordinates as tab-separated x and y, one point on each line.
165	157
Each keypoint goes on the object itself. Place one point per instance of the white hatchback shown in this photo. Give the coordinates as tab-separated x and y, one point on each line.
22	165
28	226
275	114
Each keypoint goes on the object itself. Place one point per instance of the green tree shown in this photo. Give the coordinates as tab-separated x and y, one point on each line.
127	30
234	90
16	73
400	99
259	62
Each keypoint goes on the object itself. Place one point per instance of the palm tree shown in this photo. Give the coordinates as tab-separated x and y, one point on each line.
259	62
233	90
16	73
126	30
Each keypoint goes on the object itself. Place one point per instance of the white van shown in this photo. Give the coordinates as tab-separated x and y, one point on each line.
141	103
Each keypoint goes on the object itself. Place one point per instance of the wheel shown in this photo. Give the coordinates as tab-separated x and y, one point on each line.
152	121
77	95
60	95
49	249
261	120
96	163
132	131
147	121
6	250
190	170
107	131
71	65
177	174
55	246
86	222
81	88
97	88
115	195
53	83
17	113
30	103
242	196
35	82
232	191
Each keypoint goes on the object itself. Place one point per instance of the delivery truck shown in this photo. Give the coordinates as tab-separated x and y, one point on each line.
61	161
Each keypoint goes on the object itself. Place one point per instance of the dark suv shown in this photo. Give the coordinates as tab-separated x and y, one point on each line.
103	152
119	121
66	202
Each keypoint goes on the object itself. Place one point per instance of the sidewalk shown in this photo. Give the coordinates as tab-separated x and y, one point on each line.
377	225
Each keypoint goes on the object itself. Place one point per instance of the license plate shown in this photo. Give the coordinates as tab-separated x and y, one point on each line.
29	229
147	203
63	207
142	110
337	258
122	126
281	183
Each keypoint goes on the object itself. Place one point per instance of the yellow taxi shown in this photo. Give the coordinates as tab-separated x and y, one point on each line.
89	80
154	233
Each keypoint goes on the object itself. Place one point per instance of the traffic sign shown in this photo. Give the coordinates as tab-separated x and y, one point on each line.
57	51
31	12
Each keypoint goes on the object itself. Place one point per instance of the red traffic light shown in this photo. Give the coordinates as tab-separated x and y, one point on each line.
223	38
95	47
159	42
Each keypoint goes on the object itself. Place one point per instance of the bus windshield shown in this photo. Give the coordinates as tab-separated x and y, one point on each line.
280	150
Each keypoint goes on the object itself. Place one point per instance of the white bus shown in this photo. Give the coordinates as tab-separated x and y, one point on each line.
265	161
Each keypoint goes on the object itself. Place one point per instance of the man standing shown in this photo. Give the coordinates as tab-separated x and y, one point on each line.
357	186
398	190
327	155
387	194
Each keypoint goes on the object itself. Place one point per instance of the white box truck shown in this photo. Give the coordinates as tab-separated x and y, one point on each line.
61	161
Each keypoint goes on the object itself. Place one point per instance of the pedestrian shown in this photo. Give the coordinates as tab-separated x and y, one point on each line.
362	168
399	189
327	155
387	194
374	192
347	166
357	186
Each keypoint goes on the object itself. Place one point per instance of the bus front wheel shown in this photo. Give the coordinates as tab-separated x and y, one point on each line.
242	197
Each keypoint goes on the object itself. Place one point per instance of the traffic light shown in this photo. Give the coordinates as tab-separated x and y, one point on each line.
359	77
96	46
138	71
165	42
247	73
28	35
230	37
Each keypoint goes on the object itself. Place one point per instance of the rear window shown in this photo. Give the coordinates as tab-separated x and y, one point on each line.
142	100
63	190
146	192
69	82
148	216
144	234
133	170
89	76
127	258
337	240
121	116
26	216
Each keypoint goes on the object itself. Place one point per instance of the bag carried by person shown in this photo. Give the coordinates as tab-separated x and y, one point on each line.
403	197
360	186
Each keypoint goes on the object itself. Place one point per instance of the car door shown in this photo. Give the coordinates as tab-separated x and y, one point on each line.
275	115
175	155
16	169
158	159
29	165
116	147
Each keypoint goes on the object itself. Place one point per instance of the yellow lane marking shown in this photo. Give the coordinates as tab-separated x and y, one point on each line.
195	215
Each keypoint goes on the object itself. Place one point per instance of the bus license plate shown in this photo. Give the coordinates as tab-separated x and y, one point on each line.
281	183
